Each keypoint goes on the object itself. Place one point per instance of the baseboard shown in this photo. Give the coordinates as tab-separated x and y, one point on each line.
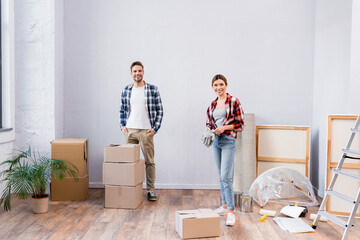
96	185
318	193
186	186
167	186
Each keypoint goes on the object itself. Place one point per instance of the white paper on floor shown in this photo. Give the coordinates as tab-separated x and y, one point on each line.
292	211
293	225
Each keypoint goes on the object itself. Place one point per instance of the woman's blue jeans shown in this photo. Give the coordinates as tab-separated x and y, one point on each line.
224	152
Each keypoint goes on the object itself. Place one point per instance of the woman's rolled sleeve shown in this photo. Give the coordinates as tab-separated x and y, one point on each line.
238	117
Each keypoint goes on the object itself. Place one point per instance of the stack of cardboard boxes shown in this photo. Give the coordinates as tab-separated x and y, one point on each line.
75	151
123	175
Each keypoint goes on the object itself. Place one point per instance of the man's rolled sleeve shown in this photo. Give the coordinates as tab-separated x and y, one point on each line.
123	110
159	111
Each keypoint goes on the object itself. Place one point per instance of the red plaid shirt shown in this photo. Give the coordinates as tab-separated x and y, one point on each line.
234	115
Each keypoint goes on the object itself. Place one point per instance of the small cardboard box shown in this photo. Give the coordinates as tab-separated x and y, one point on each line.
122	153
125	174
197	223
123	196
73	150
68	190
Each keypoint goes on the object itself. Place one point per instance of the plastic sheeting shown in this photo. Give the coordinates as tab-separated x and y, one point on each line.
283	185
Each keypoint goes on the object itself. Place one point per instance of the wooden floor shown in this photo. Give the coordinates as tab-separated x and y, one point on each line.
152	220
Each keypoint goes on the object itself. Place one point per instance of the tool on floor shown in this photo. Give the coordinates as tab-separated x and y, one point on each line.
266	213
292	211
346	153
303	213
269	213
293	225
322	219
263	217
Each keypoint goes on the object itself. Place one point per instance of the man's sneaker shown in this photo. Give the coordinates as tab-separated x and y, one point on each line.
151	196
230	221
220	210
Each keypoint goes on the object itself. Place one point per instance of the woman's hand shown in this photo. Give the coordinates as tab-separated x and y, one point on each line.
220	130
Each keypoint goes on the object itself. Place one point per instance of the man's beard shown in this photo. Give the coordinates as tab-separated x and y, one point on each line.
138	79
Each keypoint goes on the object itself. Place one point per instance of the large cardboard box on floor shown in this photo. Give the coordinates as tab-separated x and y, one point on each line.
197	223
124	174
73	150
122	153
123	196
68	190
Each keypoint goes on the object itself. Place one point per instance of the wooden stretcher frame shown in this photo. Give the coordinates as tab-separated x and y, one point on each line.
332	163
304	161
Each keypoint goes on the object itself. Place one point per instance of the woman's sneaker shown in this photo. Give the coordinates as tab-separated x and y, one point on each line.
220	210
230	221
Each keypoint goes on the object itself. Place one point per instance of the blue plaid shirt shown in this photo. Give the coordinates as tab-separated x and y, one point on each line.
152	102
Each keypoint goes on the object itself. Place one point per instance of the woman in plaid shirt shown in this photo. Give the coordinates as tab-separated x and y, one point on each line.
225	117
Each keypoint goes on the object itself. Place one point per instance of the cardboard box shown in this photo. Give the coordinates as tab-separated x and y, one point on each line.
68	190
125	174
73	150
197	223
123	196
122	153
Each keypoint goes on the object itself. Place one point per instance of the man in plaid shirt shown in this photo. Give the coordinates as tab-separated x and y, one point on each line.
141	113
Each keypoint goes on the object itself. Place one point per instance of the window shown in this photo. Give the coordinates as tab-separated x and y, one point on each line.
1	122
7	91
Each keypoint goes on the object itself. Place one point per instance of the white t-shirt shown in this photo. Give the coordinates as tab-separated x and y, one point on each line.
138	118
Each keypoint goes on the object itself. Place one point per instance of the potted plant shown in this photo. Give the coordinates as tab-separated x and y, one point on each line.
27	173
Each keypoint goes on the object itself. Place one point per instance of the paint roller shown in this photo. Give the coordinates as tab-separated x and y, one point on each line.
266	213
263	217
313	216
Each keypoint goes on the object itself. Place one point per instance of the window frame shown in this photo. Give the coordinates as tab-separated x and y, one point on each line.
1	99
7	102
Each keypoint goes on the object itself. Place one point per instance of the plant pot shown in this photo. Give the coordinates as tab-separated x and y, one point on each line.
40	205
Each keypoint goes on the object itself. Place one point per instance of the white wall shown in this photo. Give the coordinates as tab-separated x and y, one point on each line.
354	84
331	77
264	48
34	60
